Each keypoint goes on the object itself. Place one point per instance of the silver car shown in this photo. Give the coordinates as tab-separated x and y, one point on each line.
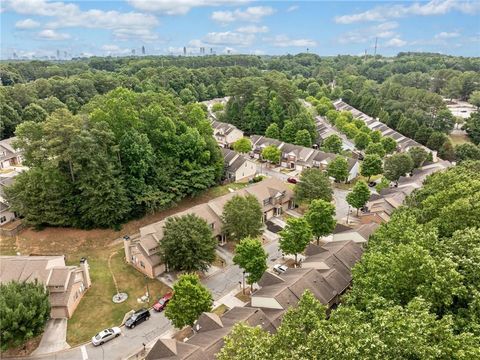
279	269
106	335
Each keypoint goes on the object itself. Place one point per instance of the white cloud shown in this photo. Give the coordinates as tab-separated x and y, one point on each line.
285	41
26	24
447	35
115	50
49	34
252	29
179	7
258	52
434	7
395	42
292	8
228	38
128	34
70	15
250	14
359	36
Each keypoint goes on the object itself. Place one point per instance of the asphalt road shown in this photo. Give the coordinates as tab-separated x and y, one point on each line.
129	342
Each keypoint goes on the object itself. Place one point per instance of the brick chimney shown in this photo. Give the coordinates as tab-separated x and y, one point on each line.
126	245
86	272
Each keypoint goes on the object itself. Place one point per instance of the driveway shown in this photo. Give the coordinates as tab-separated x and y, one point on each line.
54	337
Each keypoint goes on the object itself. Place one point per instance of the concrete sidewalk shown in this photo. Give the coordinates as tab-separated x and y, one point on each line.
54	337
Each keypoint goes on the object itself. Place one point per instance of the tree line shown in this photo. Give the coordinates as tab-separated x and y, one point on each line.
126	154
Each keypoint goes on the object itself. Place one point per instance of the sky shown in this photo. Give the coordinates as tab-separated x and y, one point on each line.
38	28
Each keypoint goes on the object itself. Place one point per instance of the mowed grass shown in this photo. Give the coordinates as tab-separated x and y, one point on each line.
96	310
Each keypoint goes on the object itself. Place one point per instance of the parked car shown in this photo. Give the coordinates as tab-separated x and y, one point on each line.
280	269
372	184
162	302
292	180
106	335
138	317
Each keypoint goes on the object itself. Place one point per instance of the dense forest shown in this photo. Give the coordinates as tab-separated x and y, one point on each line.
125	154
415	292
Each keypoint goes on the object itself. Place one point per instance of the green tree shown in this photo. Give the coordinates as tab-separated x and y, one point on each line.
273	131
423	134
332	144
245	343
242	217
321	218
295	237
472	127
338	169
418	155
187	244
218	107
359	195
243	145
303	138
376	136
298	324
397	165
313	184
35	113
436	140
272	154
190	299
371	165
467	151
361	140
252	258
474	98
375	148
289	132
24	311
389	144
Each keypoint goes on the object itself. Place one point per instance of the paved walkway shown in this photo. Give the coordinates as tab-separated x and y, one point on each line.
54	337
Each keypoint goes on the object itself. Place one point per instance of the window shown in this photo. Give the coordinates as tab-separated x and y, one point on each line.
142	264
3	219
212	225
267	201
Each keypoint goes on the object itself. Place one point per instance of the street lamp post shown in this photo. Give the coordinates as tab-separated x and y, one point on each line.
348	213
243	283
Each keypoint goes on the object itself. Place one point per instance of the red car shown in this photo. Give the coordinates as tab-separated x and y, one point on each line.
292	180
162	303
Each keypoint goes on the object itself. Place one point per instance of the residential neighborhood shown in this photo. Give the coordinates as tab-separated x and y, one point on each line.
221	180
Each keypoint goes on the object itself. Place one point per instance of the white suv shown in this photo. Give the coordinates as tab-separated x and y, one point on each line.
280	269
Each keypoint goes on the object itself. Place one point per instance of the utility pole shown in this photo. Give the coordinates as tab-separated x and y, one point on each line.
365	55
375	51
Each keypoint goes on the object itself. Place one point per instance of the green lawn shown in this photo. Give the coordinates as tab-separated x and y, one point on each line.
96	310
223	189
459	139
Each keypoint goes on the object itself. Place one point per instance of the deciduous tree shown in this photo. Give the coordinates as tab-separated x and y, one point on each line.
313	184
242	217
371	165
187	244
252	258
338	169
190	299
332	144
295	237
321	218
359	195
397	165
272	154
243	145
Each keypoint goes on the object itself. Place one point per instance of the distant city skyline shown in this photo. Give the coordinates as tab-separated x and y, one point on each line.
65	29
